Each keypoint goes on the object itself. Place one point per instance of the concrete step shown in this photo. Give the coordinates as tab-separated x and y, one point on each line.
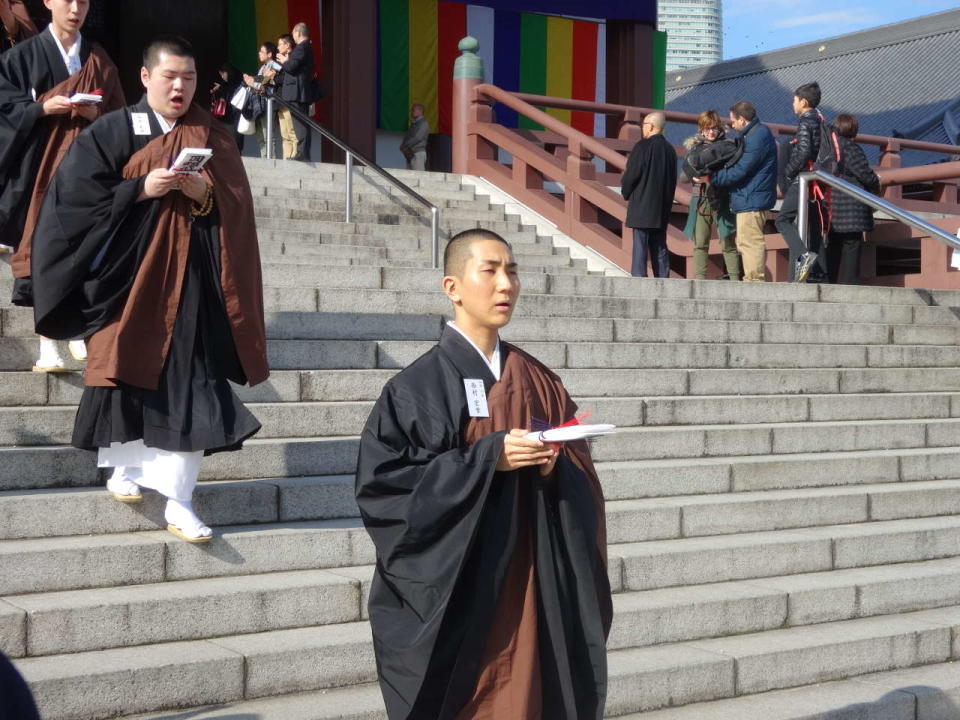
113	559
26	388
926	692
354	702
447	197
379	214
694	561
372	226
635	511
96	619
287	661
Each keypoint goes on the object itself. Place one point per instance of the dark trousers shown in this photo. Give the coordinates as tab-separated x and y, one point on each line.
843	250
650	243
786	223
302	131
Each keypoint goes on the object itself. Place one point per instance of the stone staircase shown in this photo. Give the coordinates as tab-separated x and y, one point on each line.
783	499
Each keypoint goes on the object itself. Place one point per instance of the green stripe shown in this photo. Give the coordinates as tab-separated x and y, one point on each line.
658	66
242	34
394	64
533	60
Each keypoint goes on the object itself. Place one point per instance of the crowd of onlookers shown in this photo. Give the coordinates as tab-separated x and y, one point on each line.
287	71
735	180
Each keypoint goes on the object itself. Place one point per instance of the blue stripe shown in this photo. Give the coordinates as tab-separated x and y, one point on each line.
506	69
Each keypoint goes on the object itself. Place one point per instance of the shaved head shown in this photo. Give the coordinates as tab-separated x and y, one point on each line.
656	119
458	250
166	45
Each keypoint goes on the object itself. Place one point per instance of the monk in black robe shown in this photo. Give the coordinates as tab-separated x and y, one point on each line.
17	25
38	122
490	598
160	272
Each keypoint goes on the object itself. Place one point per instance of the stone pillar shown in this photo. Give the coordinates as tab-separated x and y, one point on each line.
467	74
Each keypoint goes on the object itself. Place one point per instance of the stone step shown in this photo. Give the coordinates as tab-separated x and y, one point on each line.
393	230
335	197
635	510
380	214
353	702
287	661
154	556
44	466
26	388
96	619
544	298
926	692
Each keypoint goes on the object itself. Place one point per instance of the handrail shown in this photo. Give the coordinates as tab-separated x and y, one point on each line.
348	171
514	102
867	198
674	116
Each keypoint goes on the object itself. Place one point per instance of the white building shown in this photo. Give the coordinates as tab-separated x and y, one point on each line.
694	31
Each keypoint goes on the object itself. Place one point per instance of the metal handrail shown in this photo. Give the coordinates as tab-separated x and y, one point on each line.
348	171
867	198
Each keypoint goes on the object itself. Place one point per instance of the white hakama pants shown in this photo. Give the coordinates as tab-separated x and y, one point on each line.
172	474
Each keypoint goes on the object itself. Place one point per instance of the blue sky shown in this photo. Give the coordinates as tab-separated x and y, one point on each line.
753	26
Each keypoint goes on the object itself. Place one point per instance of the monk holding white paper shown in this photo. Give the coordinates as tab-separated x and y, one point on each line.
490	599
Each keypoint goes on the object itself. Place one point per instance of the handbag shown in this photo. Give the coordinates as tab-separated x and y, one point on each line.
218	108
246	127
239	98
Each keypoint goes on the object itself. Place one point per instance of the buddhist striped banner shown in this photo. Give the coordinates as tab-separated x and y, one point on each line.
526	52
252	22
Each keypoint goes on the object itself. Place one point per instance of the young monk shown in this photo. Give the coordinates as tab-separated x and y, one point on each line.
490	599
38	122
161	273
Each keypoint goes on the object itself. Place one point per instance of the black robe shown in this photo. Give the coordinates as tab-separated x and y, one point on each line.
445	524
194	407
33	65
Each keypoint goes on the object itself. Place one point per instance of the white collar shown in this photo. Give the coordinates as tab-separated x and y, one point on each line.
494	362
164	125
71	58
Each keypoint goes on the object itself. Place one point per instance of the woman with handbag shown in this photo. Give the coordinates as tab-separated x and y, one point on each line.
220	95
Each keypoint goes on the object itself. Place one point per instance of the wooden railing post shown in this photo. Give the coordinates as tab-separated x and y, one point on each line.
580	167
632	126
890	158
467	74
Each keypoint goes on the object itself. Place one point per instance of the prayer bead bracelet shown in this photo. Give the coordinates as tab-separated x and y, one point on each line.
206	207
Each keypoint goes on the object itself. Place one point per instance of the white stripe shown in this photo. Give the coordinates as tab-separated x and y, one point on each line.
600	121
480	25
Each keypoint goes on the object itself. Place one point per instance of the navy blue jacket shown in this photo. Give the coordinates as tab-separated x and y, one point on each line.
752	180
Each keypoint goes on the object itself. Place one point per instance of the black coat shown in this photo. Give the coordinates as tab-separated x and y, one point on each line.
649	182
297	72
848	214
805	145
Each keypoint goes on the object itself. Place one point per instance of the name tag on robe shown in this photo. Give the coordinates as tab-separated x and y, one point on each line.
141	123
476	398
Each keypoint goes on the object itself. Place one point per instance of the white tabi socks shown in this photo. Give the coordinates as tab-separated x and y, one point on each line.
172	474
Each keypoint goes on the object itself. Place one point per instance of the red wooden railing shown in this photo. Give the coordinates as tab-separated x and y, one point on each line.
580	201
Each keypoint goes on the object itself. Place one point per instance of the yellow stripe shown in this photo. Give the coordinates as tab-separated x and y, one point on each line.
272	20
559	63
423	58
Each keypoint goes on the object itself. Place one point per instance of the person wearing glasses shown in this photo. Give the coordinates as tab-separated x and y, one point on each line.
648	184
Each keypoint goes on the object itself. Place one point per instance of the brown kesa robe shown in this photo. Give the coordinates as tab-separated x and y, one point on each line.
132	347
97	74
509	686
